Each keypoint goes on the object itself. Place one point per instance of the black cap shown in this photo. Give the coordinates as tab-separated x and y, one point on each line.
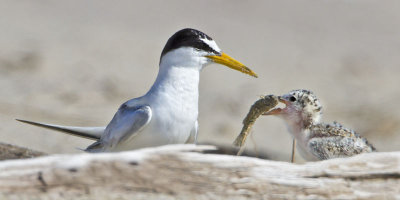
188	38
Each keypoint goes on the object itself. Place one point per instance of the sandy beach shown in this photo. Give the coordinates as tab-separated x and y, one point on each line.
74	63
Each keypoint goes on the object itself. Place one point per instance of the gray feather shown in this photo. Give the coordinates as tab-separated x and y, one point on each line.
93	133
127	122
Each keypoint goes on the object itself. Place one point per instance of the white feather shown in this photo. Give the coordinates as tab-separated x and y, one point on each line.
212	44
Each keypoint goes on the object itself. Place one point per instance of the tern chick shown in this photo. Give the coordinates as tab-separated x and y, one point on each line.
317	140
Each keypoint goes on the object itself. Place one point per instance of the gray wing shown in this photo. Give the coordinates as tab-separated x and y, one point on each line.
127	122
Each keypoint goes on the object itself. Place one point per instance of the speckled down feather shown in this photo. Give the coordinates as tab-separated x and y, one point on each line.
334	141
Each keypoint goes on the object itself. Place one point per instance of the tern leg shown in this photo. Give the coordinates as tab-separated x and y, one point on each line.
193	134
293	151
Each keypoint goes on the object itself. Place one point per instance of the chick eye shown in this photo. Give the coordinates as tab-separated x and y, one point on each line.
292	98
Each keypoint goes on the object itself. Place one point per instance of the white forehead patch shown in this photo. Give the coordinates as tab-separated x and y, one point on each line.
212	44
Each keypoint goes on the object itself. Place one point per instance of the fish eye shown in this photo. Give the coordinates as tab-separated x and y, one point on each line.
292	99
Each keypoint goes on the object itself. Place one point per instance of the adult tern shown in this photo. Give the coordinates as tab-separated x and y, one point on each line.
167	113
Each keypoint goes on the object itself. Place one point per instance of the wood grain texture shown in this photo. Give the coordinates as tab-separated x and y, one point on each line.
184	172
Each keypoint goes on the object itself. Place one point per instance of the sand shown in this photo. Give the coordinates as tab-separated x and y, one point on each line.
74	63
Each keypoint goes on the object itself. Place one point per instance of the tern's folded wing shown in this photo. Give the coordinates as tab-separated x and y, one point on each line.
127	122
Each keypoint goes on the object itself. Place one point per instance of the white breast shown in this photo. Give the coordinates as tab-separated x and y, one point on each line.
176	107
174	104
173	99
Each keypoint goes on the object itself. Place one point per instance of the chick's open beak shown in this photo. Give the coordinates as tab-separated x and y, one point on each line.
228	61
277	111
284	101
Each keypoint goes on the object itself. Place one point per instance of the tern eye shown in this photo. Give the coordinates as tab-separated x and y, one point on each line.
292	99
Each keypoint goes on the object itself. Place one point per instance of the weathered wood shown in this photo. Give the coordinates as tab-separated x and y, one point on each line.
182	172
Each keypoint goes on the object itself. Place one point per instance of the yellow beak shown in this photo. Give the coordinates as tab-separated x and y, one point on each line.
228	61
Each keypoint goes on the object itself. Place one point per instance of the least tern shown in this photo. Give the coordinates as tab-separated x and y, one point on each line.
317	140
167	113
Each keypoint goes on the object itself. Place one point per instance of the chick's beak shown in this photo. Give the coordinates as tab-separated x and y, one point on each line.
228	61
284	101
278	111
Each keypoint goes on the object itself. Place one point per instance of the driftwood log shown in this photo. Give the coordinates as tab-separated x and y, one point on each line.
184	172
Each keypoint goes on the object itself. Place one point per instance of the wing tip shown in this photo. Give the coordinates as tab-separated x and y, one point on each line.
84	132
26	121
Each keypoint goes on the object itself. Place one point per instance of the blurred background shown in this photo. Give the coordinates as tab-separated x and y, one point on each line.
74	62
